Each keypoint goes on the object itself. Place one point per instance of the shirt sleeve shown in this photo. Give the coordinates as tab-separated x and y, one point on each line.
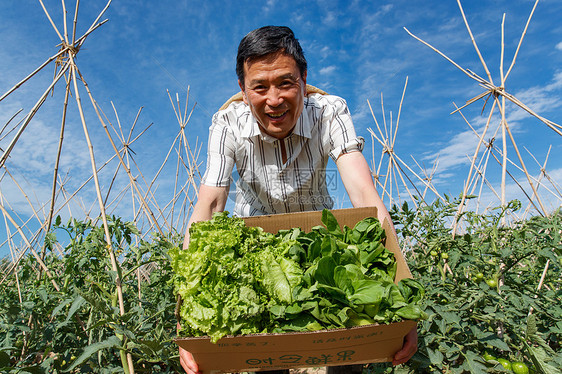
343	138
220	153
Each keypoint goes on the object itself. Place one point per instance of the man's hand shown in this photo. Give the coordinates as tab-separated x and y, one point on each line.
408	349
187	362
186	359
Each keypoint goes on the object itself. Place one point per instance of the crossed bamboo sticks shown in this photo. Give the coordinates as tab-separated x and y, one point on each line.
496	92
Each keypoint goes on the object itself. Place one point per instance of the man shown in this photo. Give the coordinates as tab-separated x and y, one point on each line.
280	139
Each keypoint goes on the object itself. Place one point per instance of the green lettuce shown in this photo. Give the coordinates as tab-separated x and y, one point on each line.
234	279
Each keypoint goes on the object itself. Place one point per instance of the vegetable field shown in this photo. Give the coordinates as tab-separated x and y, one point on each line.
98	294
493	298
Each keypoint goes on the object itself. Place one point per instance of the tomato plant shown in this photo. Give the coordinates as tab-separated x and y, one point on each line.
78	328
481	321
470	324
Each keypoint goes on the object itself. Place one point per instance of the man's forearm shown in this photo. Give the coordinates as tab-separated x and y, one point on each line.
210	200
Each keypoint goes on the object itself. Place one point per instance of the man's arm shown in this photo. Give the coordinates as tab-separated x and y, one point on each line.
358	182
209	200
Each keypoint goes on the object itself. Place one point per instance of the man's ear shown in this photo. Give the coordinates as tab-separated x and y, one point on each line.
242	88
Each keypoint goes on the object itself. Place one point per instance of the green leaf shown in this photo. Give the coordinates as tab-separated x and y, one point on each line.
368	291
495	341
541	360
59	307
435	357
331	223
111	342
474	364
324	272
76	305
4	359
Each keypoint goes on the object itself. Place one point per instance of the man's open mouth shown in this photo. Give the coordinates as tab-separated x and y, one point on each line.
276	115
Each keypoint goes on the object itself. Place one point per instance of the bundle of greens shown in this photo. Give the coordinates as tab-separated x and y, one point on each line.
235	279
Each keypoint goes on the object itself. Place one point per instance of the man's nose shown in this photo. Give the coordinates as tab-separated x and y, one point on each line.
274	97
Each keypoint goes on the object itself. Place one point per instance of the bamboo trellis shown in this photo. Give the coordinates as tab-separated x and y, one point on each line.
150	214
499	95
396	168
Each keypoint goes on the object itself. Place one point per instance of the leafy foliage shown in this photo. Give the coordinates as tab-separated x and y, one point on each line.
482	297
483	291
79	327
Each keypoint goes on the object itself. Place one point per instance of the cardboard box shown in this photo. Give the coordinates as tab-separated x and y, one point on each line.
356	345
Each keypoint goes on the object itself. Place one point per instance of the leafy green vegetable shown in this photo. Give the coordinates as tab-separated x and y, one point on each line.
235	279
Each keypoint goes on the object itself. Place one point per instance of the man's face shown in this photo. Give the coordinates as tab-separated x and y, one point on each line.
274	90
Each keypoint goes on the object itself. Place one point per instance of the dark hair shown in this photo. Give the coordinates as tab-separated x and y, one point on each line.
267	40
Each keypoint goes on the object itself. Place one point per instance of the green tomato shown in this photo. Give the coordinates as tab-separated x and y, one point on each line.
492	282
433	253
519	367
444	256
479	276
505	363
487	356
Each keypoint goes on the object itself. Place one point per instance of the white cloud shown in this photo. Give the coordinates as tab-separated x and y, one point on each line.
327	70
269	4
460	147
325	51
559	46
330	18
548	190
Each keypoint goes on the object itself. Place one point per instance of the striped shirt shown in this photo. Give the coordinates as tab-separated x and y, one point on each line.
266	185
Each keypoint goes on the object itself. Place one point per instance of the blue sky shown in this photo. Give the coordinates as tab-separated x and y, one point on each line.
355	49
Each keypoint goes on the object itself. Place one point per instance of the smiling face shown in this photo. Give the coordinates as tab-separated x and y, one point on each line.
274	90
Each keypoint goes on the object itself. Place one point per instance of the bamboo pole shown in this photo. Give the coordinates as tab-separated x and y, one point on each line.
525	171
541	281
521	39
490	87
95	23
51	21
474	43
7	123
110	250
64	13
10	244
503	120
24	238
474	157
74	23
31	114
47	62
